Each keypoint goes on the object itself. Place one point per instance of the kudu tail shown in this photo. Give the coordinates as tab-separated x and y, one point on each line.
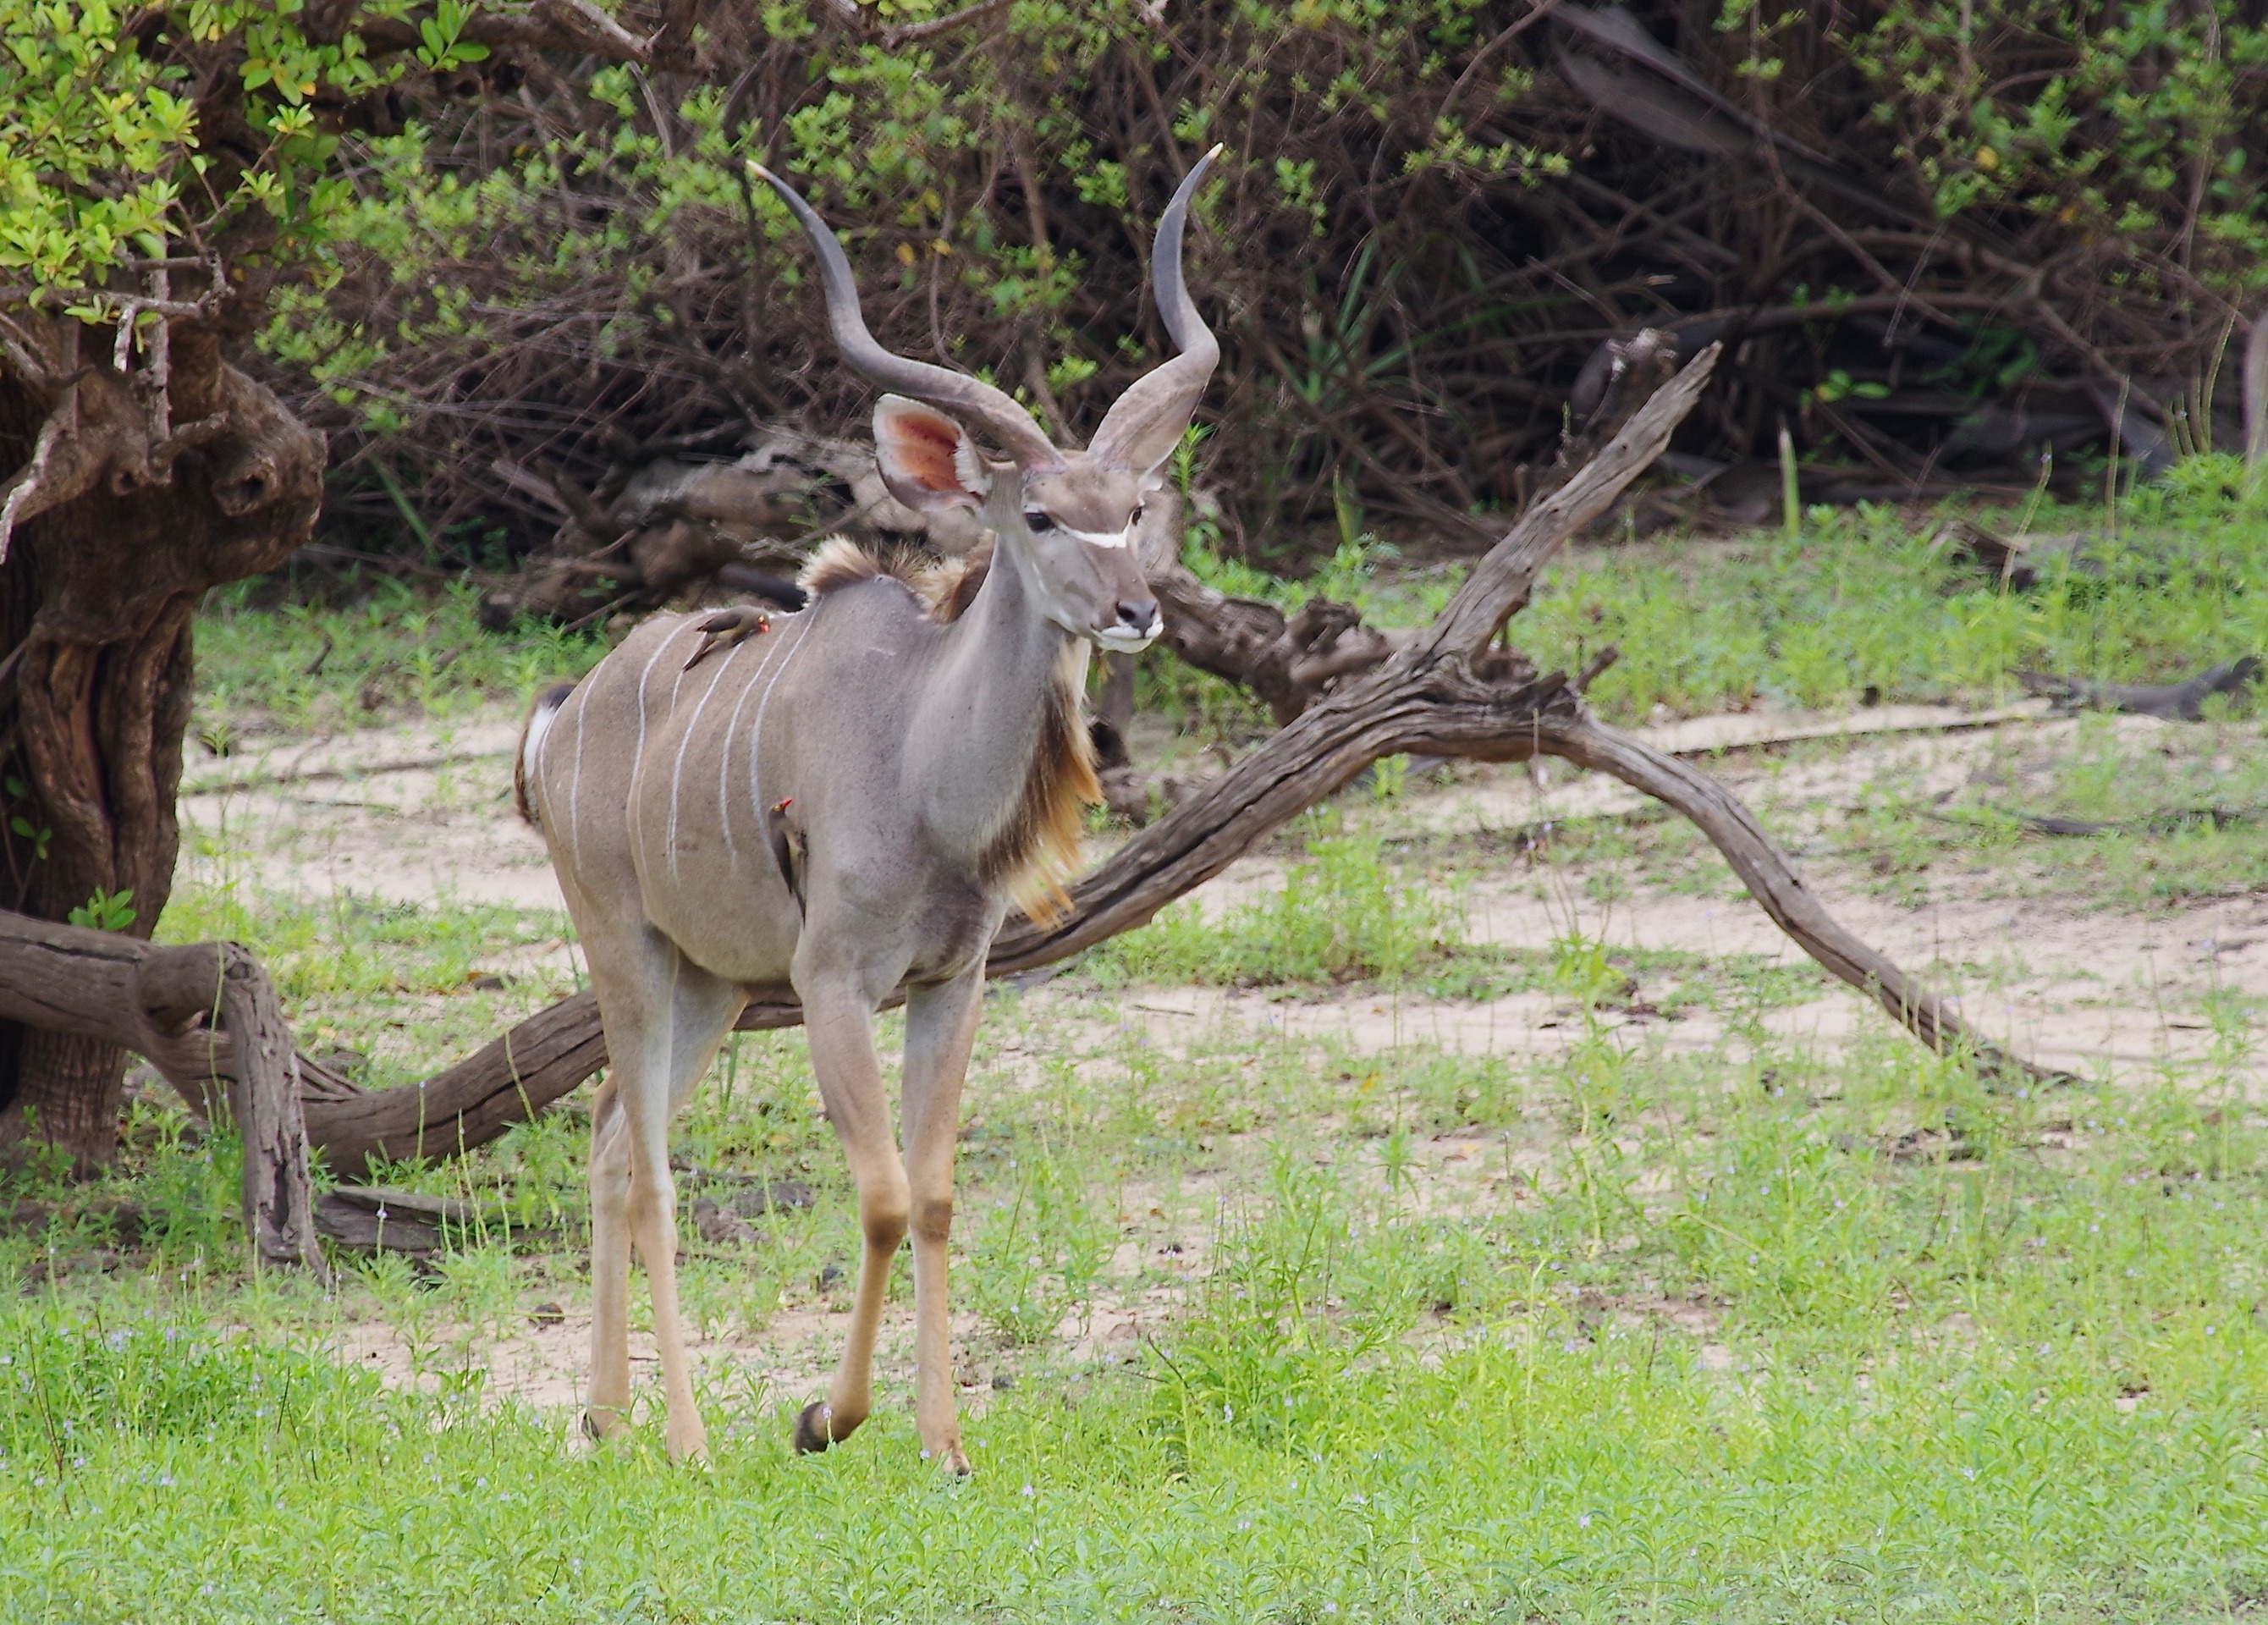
540	717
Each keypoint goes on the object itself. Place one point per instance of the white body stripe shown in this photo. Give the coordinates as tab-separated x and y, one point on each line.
772	646
637	752
756	728
684	743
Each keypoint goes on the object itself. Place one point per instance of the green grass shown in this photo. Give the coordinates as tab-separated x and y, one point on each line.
1862	601
396	650
1744	1333
2021	1381
1345	913
1685	1335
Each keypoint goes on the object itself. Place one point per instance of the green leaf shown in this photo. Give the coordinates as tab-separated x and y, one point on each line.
110	911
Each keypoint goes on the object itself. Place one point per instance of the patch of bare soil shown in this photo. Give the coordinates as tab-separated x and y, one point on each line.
2088	989
544	1363
2087	994
415	814
423	813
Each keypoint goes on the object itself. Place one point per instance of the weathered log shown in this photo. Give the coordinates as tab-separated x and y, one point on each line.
2172	701
506	1081
1443	691
207	1017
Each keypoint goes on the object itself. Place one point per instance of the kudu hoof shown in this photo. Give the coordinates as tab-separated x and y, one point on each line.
812	1430
688	1444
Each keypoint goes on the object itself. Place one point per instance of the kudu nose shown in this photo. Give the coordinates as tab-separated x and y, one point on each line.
1139	615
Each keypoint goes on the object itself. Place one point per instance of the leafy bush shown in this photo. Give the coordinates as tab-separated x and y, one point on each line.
1425	226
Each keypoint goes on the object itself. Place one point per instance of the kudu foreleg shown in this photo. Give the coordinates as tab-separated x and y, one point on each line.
940	1030
839	1021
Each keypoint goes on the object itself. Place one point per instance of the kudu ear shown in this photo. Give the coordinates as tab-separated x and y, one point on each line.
927	460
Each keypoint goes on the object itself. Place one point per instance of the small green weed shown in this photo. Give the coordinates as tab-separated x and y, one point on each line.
1346	913
1036	1250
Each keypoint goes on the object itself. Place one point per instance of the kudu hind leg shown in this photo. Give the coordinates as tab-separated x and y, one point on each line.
662	1034
609	1398
701	1011
839	1022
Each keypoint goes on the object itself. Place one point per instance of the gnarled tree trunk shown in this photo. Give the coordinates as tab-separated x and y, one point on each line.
137	491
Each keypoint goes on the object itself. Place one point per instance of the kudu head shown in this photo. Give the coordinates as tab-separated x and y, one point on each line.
1070	515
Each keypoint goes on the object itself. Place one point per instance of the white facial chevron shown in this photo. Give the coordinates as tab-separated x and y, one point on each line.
1103	538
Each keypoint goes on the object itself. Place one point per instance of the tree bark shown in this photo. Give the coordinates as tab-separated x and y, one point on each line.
146	498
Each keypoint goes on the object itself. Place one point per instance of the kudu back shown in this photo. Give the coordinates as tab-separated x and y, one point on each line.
844	801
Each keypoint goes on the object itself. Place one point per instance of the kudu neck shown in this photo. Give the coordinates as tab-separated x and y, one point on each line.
979	722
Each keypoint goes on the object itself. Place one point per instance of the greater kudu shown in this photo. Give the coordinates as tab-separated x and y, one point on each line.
845	803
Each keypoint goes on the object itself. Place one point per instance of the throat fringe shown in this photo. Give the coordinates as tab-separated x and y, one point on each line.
1036	849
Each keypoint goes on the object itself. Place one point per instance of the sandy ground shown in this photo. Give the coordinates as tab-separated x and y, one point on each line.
422	812
2092	990
417	813
2092	995
425	813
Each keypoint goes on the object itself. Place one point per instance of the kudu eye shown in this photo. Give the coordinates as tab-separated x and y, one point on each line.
1037	522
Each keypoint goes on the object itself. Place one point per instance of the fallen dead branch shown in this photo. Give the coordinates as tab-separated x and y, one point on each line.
508	1081
2175	820
1719	735
2175	702
366	1220
1444	691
